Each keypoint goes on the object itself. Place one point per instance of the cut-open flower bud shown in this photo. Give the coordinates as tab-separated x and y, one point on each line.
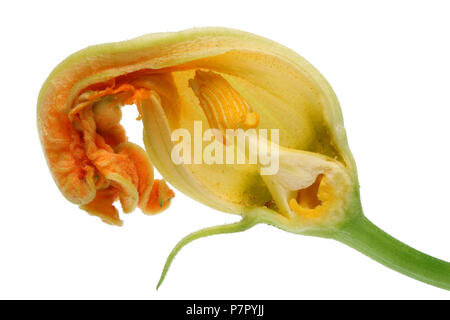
235	121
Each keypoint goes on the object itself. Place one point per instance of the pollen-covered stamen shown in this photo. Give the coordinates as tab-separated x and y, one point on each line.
223	106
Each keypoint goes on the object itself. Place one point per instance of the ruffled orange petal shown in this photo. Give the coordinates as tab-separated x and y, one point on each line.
102	206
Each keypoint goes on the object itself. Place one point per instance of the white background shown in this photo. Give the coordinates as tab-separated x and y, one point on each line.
388	63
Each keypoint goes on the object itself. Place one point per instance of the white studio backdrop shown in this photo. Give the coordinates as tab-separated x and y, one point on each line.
388	63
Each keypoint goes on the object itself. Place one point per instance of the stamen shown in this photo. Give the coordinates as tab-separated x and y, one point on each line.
223	106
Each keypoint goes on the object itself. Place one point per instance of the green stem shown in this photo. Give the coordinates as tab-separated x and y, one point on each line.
364	236
245	224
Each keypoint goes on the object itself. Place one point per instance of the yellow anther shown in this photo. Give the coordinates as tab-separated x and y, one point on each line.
223	106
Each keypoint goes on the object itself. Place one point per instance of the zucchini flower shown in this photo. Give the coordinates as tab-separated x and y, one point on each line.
233	120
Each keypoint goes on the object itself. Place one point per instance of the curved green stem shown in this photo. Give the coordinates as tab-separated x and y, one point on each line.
364	236
245	224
